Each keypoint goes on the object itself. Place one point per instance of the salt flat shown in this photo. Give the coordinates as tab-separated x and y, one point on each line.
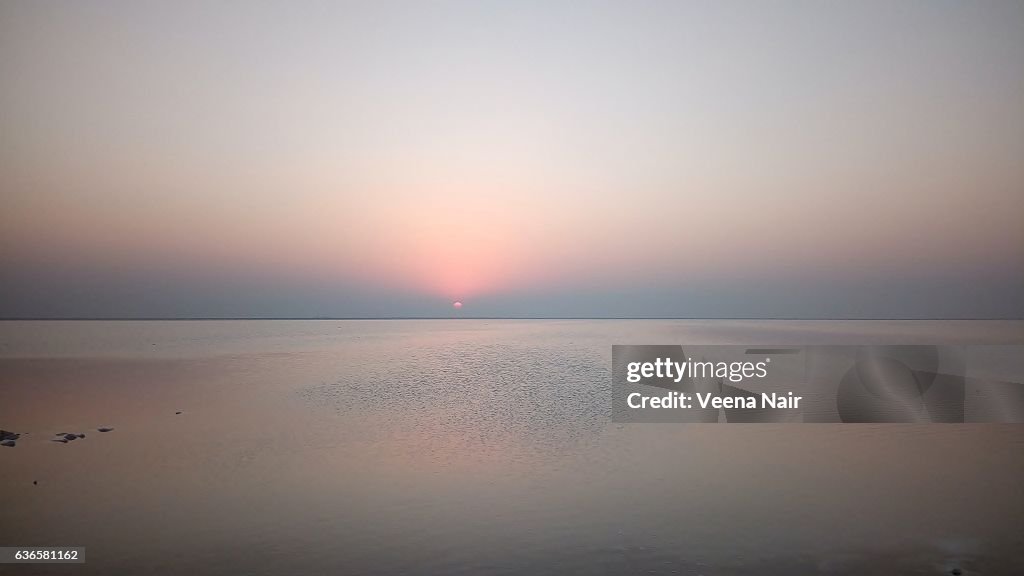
470	446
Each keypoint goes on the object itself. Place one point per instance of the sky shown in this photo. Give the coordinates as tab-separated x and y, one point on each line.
568	159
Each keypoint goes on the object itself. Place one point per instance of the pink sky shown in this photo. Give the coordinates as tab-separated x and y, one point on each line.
476	152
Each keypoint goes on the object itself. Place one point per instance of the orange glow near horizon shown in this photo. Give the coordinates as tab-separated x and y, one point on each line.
453	242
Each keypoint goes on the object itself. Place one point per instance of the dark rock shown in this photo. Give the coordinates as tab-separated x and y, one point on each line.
104	429
5	435
35	482
80	435
178	412
9	443
956	572
70	437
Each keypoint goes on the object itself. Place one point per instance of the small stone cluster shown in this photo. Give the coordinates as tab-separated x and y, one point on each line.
9	439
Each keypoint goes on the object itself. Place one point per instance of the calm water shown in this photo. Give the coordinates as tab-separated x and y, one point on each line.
470	447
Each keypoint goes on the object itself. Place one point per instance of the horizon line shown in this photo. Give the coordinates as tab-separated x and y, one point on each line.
348	318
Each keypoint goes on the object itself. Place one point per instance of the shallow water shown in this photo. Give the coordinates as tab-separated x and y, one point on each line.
470	446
